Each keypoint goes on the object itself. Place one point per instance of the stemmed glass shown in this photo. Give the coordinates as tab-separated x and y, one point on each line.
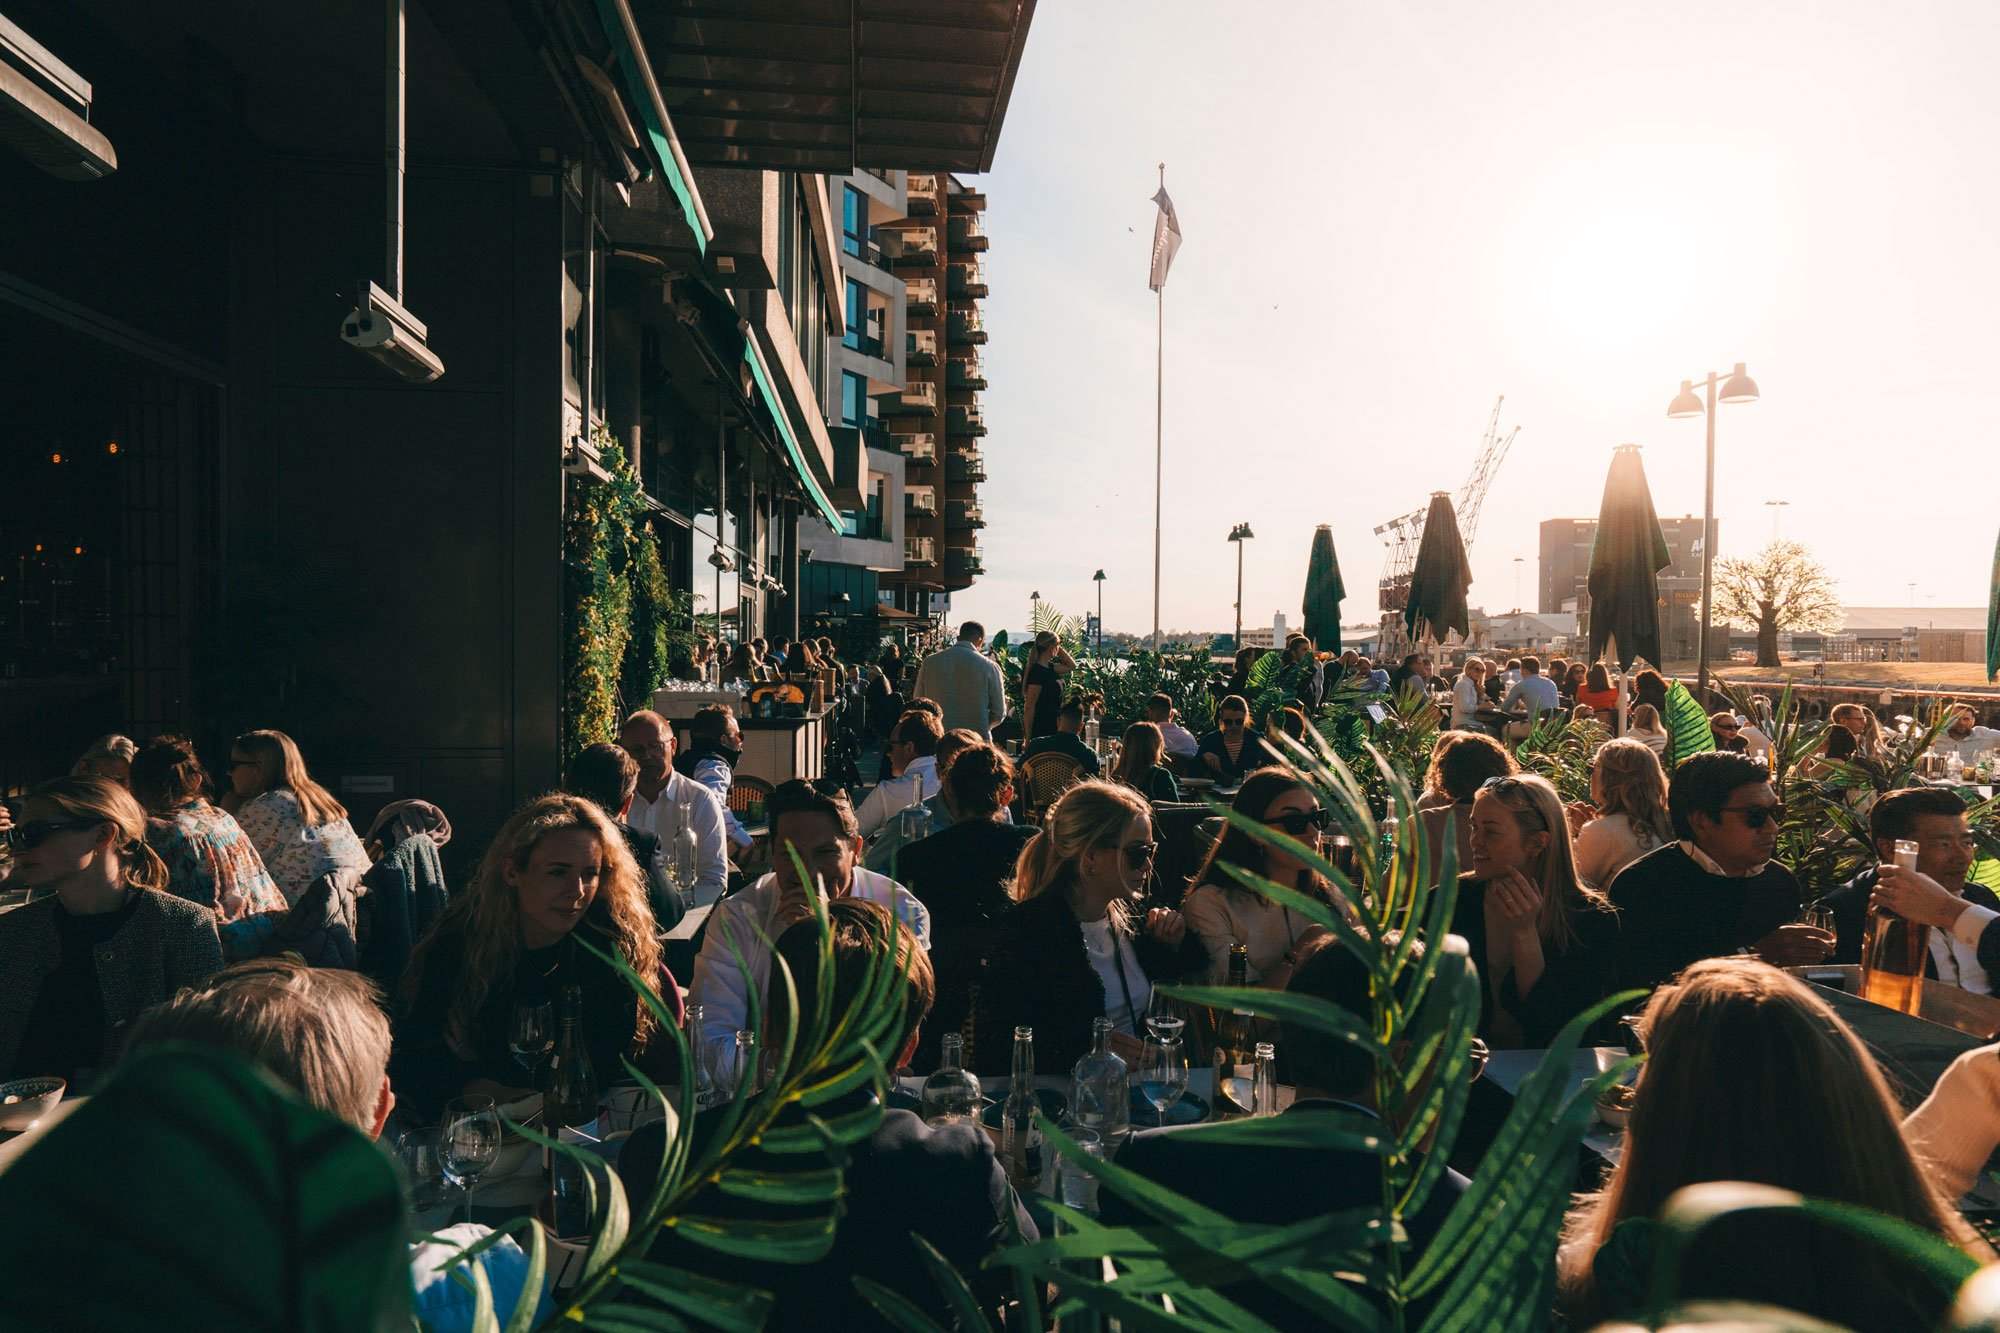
1163	1066
1819	916
469	1142
531	1036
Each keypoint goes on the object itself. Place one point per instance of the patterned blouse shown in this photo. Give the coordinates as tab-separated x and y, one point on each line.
210	861
295	854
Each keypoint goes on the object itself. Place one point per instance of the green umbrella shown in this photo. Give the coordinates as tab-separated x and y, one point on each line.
1324	592
1441	578
1993	619
1625	564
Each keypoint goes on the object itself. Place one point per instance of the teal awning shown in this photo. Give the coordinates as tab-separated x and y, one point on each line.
762	375
632	70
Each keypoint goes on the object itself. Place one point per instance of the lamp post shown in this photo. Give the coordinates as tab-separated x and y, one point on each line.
1777	508
1738	387
1098	579
1239	534
1034	611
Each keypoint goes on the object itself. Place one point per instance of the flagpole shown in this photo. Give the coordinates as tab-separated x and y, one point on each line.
1159	403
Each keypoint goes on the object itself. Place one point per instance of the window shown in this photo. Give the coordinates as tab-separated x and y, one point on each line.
857	315
854	222
853	399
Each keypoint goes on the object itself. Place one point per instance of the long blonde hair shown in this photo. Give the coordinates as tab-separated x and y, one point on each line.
1536	808
1645	718
103	800
1751	1076
1089	815
1631	782
486	916
284	769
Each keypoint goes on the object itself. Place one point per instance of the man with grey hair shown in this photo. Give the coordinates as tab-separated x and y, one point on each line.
966	683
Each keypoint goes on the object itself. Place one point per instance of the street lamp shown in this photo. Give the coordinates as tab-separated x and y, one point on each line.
1777	509
1239	534
1737	388
1098	579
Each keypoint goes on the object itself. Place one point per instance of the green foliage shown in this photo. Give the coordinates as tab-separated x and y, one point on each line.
1561	750
190	1192
1122	683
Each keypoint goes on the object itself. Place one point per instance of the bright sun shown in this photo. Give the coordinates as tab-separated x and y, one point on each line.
1616	272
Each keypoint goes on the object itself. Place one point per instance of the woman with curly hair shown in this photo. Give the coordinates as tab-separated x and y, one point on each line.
1627	816
557	875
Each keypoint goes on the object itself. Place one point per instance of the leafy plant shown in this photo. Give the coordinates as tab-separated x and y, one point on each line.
1561	749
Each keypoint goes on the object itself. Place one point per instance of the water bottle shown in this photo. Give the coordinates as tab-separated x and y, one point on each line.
1093	730
1264	1083
685	862
1100	1097
951	1095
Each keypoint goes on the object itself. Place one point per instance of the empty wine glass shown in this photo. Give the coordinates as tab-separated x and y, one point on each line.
1819	916
531	1036
1163	1066
468	1142
423	1176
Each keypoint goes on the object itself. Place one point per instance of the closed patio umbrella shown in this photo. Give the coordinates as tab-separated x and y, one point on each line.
1324	592
1441	578
1993	619
1625	564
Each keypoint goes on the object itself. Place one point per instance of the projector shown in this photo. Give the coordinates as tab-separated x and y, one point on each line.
392	335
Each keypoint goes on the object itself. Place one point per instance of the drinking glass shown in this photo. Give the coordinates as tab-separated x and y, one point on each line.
1163	1066
468	1142
423	1174
531	1036
1819	916
1079	1187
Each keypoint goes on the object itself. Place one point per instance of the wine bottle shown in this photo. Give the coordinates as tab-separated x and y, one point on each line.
951	1095
569	1093
1893	950
1235	1043
1020	1140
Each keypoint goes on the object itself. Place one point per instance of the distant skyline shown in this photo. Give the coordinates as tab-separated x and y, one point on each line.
1393	214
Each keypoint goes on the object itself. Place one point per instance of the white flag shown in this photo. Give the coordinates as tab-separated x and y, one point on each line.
1166	240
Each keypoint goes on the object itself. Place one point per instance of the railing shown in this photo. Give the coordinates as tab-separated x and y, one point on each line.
862	343
967	233
967	326
922	343
920	500
922	292
919	397
919	446
918	243
919	551
968	371
922	188
967	516
967	421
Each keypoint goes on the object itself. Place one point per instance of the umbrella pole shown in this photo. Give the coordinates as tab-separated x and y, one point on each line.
1611	647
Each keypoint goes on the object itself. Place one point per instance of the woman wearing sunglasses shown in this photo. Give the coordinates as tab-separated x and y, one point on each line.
107	943
1541	939
1074	947
1222	911
210	860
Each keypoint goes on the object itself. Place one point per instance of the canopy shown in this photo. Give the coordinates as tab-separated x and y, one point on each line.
1441	579
1625	564
1324	592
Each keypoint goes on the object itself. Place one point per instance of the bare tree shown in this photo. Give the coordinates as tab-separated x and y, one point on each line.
1781	589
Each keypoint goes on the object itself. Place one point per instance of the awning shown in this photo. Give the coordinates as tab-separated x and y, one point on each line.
832	85
56	136
639	83
761	375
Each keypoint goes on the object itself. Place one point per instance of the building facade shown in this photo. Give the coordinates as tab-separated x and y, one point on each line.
1565	578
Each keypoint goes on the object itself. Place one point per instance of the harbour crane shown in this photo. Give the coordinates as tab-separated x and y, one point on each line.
1404	534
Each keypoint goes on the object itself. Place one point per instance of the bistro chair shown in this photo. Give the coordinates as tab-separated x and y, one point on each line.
1041	778
747	796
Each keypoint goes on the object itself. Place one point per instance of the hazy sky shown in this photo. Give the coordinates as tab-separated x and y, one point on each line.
1394	213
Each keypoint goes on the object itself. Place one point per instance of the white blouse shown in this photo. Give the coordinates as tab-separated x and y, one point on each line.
294	854
1129	998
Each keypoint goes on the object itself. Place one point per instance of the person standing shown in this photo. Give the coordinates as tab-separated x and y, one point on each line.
966	683
1041	684
665	798
715	743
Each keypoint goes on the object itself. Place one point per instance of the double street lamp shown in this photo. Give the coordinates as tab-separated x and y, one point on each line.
1239	534
1737	387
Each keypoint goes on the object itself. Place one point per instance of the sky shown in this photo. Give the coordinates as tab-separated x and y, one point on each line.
1393	214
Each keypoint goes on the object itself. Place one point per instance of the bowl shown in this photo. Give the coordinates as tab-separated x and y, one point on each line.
1614	1108
26	1100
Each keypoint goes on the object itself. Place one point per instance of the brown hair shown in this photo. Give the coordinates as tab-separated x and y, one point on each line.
284	769
796	796
1462	760
978	780
1138	754
1629	781
167	774
1236	847
918	730
1089	815
606	773
862	932
103	799
1753	1077
320	1031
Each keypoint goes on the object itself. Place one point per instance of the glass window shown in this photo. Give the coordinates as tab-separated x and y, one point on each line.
857	314
853	399
853	222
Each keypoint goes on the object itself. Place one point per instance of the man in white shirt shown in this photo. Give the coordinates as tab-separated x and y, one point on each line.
1937	893
665	799
1965	737
1180	741
913	761
965	682
1533	692
820	830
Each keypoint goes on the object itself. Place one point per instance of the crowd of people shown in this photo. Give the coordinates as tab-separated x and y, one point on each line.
163	902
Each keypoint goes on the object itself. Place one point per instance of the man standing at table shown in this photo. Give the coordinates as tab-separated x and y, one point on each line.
664	798
966	683
1716	891
1934	819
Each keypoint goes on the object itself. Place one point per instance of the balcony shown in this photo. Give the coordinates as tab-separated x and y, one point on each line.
922	296
918	399
924	192
967	372
965	420
965	516
919	550
921	347
968	281
966	326
966	562
966	233
918	447
968	467
920	500
920	247
866	340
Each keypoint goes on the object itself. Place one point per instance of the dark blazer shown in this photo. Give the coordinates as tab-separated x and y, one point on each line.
1069	745
1570	982
904	1177
666	901
962	875
403	895
1849	904
1676	913
1038	975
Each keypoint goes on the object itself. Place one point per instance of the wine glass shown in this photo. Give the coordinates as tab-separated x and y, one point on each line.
1819	916
531	1036
1163	1066
417	1151
469	1142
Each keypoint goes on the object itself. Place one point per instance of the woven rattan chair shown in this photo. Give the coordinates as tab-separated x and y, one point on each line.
1043	777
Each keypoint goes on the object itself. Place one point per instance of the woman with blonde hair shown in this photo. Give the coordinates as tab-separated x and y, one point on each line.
108	757
106	943
1644	725
1750	1076
1139	765
297	826
557	874
1628	790
1072	949
1041	683
1542	940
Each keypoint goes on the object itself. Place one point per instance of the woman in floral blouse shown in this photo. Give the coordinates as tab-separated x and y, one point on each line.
209	858
298	828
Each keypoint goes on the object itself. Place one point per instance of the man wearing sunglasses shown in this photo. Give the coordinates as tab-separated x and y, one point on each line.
1717	890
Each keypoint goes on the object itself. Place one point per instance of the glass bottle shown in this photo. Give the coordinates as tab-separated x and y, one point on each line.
1893	951
1100	1096
1020	1140
684	862
951	1095
745	1071
699	1057
1235	1043
1093	730
569	1093
1264	1083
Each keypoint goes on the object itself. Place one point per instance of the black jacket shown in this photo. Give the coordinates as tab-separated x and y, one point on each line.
1849	904
962	875
666	901
1676	913
1038	975
1570	982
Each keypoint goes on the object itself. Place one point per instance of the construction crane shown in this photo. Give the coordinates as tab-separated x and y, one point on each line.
1404	534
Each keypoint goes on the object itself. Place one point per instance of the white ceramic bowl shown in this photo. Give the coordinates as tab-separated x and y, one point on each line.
26	1100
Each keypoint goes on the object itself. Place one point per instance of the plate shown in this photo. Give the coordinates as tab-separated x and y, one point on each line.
1055	1106
1188	1111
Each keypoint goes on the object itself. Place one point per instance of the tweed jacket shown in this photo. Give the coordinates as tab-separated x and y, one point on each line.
168	943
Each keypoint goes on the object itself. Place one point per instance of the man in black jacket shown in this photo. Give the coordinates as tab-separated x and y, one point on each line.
1716	891
608	776
1934	819
1969	920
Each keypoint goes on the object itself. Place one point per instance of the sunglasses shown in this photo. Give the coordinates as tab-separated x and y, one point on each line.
1503	784
1296	822
1755	816
1139	855
25	836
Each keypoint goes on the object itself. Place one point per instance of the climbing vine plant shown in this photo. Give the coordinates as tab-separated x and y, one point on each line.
625	630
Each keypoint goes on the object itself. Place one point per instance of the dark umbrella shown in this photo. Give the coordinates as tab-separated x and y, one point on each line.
1443	574
1324	592
1625	564
1993	619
